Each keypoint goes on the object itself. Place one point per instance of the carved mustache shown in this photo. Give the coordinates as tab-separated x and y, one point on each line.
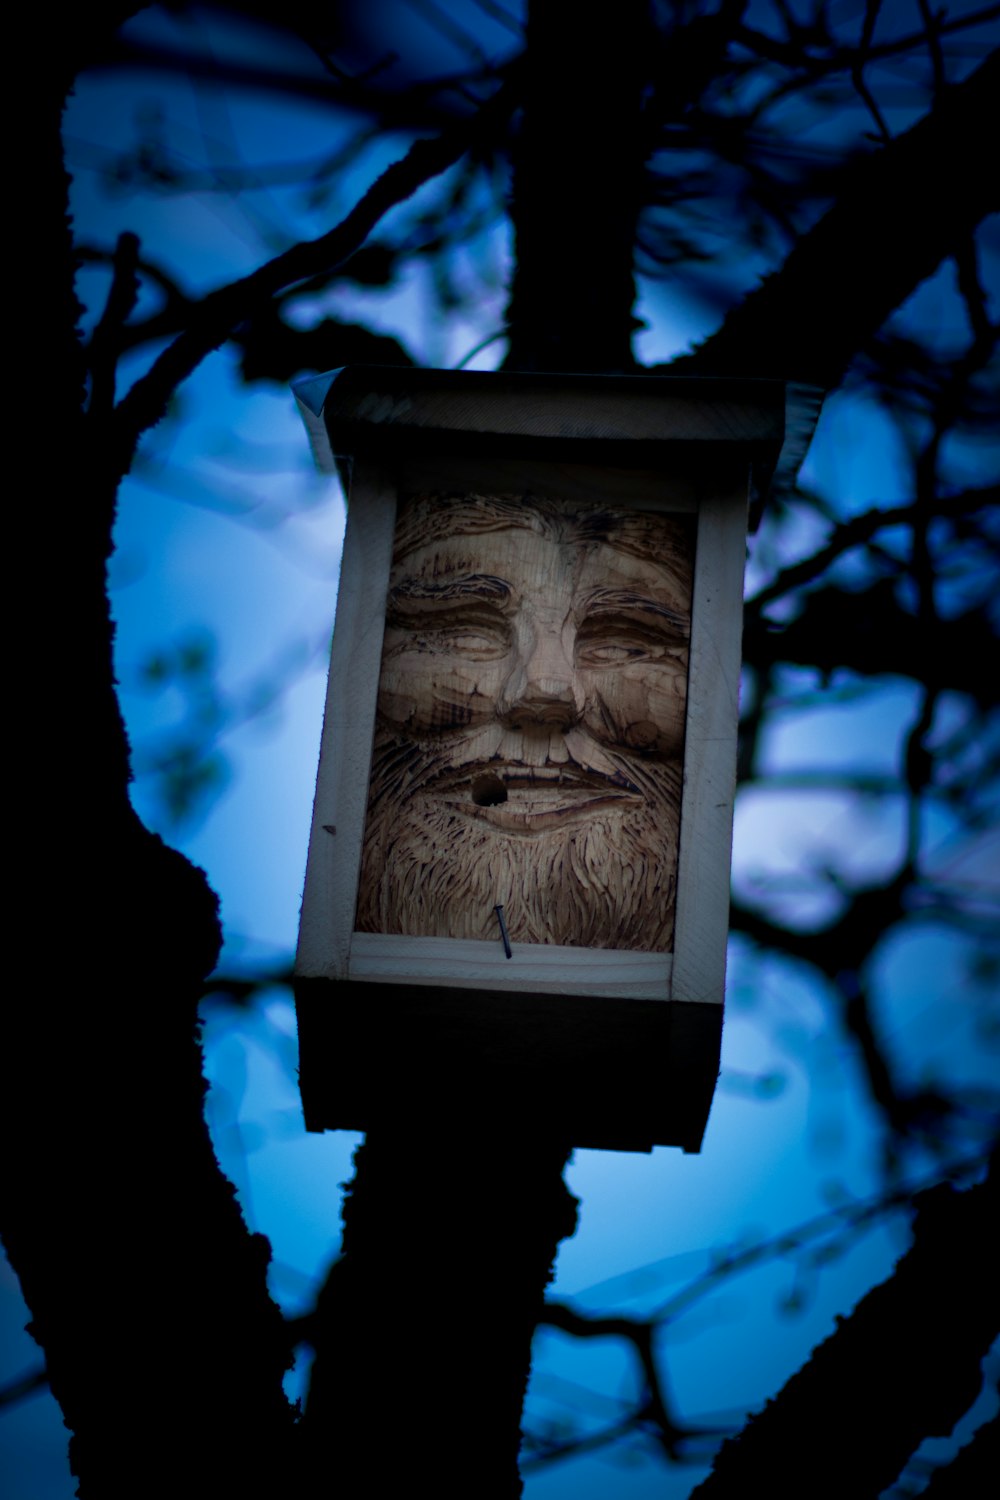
516	774
580	762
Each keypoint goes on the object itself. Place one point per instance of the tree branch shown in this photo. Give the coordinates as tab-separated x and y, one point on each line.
809	1246
904	1366
654	1406
219	313
582	141
105	345
860	529
909	205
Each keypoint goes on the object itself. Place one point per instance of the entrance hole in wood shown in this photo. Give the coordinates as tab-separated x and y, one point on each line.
488	791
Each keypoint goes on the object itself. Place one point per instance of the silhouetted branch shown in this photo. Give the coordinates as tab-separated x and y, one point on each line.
417	108
653	1409
24	1386
482	1203
973	1470
841	951
272	348
904	1366
858	530
933	27
218	313
867	631
105	344
793	51
972	291
904	209
863	56
818	1242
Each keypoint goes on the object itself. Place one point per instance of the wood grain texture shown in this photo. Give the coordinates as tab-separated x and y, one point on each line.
330	895
530	723
328	918
388	407
675	489
710	751
543	968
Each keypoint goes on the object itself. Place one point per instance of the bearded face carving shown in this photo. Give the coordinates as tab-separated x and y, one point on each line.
530	724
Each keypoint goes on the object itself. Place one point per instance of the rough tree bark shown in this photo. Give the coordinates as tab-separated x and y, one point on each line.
147	1294
899	212
904	1366
423	1334
577	191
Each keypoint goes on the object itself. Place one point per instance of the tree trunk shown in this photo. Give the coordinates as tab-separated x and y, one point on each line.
424	1332
578	168
147	1294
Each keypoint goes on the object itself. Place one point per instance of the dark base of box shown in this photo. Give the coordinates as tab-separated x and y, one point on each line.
621	1075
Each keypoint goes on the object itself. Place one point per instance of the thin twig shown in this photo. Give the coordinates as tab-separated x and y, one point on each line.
857	531
24	1386
932	28
973	295
222	310
863	56
651	1414
840	59
105	344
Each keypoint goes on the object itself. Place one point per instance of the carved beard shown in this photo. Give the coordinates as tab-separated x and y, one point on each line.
603	877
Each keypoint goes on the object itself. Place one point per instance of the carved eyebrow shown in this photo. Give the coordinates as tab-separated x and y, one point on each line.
480	588
614	601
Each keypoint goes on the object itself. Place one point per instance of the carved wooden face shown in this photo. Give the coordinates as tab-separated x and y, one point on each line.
530	724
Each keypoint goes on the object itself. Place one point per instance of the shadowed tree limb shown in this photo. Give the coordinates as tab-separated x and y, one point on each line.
105	343
974	1469
789	51
841	952
146	1290
868	632
479	1202
860	529
908	206
904	1366
360	94
214	317
24	1386
808	1246
654	1407
271	348
578	177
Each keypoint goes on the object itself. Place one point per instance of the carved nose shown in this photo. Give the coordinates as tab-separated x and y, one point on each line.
542	690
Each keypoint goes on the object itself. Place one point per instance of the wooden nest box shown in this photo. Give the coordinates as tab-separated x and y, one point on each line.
518	878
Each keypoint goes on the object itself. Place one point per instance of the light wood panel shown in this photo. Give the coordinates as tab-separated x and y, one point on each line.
540	968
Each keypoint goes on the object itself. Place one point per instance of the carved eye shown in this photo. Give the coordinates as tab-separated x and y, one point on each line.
608	653
607	640
470	635
478	643
432	628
